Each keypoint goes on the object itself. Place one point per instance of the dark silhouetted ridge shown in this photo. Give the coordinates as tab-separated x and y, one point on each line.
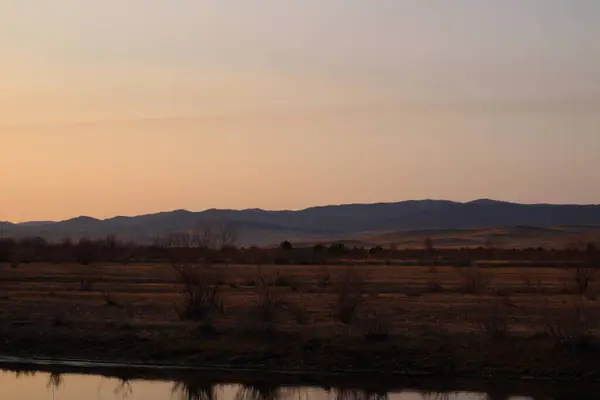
257	226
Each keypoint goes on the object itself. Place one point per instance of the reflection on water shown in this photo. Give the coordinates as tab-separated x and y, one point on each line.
54	381
55	386
193	391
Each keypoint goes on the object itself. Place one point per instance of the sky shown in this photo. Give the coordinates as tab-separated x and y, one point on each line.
129	107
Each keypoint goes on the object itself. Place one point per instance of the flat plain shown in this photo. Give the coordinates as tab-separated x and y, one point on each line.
417	319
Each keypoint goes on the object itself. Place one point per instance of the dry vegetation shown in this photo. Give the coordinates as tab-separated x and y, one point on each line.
527	320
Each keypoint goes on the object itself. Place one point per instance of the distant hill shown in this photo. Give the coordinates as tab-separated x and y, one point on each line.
506	237
402	222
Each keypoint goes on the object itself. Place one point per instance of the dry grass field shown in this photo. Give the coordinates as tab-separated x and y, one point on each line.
420	317
405	297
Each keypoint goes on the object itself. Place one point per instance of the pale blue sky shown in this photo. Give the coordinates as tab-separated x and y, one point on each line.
124	107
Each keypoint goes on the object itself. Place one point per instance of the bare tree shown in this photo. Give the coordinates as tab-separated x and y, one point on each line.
214	235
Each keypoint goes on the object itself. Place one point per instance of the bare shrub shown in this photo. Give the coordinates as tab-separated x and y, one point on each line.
201	291
495	323
571	326
350	287
475	280
376	328
269	304
582	278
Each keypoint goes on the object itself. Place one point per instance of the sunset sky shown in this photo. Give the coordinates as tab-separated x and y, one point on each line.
127	107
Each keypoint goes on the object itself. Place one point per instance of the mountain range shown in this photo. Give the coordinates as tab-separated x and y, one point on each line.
362	223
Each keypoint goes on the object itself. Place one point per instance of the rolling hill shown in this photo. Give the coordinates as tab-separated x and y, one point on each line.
403	223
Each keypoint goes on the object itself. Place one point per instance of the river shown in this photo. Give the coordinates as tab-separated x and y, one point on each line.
33	385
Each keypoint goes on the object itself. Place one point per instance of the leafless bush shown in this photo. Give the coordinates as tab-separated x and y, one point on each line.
376	328
201	291
474	279
571	326
269	304
495	323
350	287
582	278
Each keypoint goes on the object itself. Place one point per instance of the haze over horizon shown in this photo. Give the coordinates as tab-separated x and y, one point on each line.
127	108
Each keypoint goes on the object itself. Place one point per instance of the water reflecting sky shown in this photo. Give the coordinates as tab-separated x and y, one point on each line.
43	386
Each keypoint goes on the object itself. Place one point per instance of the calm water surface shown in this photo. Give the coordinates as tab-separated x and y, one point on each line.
45	386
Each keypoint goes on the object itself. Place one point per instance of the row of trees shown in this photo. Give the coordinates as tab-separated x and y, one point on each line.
220	245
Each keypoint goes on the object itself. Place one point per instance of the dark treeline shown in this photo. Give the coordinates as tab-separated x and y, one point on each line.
207	247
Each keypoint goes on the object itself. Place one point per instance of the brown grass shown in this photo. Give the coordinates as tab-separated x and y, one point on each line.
38	290
398	319
390	304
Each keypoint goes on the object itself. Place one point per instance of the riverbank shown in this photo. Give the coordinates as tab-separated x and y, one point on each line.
416	354
127	381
